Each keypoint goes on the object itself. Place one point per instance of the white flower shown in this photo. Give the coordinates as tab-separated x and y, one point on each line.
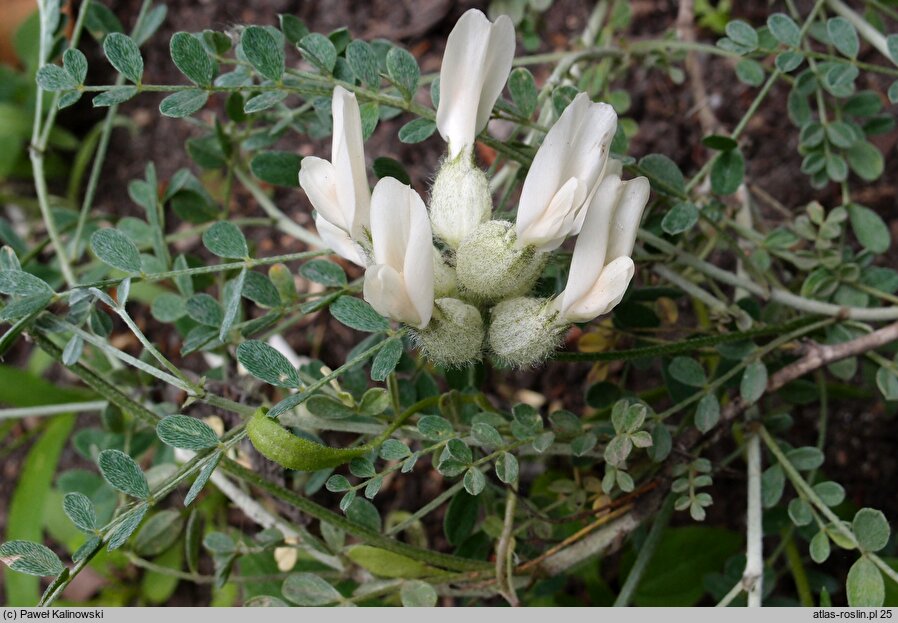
565	172
475	67
601	268
338	189
399	284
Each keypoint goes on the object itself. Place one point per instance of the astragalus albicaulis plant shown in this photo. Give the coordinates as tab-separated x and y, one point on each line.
457	451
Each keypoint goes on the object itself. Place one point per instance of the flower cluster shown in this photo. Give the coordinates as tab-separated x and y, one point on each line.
459	279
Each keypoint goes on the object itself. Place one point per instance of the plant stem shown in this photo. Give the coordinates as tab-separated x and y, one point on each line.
646	552
283	222
55	409
38	148
802	486
753	576
793	557
102	147
204	270
774	294
505	549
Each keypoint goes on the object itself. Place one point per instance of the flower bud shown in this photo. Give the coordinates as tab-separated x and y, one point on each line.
454	336
444	280
523	331
459	201
490	267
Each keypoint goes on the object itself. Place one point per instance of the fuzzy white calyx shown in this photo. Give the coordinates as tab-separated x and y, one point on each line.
459	201
491	267
445	283
523	331
454	336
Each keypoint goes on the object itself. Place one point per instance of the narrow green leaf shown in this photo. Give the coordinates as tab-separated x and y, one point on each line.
843	35
225	239
264	52
293	28
124	55
417	130
869	228
784	29
507	468
192	59
123	473
324	272
523	91
259	289
357	314
727	172
205	310
115	95
267	364
319	51
707	414
30	558
79	508
363	60
202	479
871	528
687	371
181	431
386	359
124	530
743	34
680	218
55	78
115	249
75	64
754	382
280	168
20	283
865	586
264	101
403	71
307	589
183	103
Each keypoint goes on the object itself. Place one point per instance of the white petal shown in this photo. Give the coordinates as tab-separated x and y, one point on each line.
418	266
607	292
576	146
475	67
551	228
339	241
402	239
499	57
390	215
319	179
627	217
592	140
592	244
385	291
348	158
